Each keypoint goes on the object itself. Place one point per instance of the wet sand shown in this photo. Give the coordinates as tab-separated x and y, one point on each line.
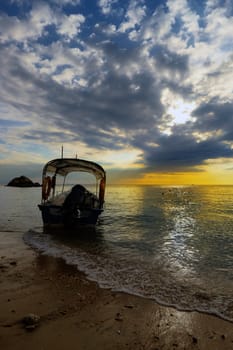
74	313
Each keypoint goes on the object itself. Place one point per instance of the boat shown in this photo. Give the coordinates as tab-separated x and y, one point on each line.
75	206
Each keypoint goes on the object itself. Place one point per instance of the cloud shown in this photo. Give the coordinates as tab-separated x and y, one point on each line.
30	27
106	5
124	106
69	26
108	81
183	153
36	24
66	2
170	60
134	16
215	116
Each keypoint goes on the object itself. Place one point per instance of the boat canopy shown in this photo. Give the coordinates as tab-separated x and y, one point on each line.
64	166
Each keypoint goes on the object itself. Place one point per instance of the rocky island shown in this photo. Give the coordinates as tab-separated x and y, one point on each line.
22	181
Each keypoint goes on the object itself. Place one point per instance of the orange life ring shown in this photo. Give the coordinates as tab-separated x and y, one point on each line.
46	187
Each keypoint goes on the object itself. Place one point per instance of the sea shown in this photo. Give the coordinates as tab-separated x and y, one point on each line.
171	244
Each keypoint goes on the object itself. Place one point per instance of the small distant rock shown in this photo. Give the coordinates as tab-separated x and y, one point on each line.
194	340
3	267
31	321
118	317
22	181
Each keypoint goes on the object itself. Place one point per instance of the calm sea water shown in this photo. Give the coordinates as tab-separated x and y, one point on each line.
171	244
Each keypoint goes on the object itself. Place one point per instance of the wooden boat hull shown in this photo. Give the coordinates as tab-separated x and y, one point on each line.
54	215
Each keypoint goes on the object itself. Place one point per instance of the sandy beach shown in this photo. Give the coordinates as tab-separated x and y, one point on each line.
46	304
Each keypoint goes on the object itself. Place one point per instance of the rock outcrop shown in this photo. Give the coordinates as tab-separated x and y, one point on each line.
22	181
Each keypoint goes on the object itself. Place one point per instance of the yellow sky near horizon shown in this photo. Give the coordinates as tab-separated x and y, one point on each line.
211	175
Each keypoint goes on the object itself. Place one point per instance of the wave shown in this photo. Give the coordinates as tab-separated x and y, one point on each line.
124	272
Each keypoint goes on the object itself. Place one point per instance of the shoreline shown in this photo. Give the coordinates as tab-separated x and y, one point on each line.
75	313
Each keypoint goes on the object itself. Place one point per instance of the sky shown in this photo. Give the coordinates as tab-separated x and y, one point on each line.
143	87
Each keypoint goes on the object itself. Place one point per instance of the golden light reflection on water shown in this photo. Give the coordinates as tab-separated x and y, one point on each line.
126	197
171	243
186	221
